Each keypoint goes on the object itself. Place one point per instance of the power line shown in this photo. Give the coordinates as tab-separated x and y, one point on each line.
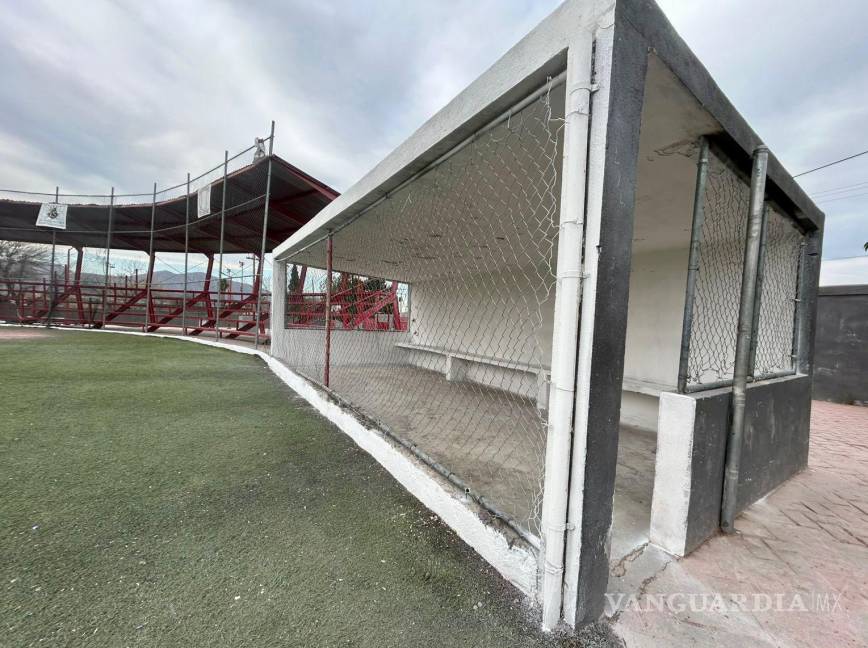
834	198
858	185
830	164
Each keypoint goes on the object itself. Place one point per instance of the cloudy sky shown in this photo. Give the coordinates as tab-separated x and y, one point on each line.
124	93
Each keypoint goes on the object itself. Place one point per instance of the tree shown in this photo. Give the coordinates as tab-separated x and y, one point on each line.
294	279
23	260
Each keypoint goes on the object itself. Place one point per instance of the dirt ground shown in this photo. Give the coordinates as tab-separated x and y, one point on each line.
22	333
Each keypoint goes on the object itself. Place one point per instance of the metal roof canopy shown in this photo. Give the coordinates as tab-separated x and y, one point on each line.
295	198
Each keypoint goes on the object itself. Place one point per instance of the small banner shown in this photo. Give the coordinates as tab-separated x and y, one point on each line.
203	203
52	215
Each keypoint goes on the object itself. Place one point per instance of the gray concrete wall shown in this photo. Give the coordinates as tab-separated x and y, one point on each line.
775	447
841	345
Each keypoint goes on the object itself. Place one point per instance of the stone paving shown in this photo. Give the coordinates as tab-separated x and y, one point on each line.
796	574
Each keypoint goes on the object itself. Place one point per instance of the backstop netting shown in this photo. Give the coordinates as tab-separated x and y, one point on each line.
436	321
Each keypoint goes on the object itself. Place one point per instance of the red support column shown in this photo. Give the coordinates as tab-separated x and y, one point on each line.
302	278
396	309
206	288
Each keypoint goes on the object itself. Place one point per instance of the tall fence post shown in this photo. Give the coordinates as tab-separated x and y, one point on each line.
693	263
51	267
797	309
328	311
220	247
186	255
108	247
264	235
150	274
743	339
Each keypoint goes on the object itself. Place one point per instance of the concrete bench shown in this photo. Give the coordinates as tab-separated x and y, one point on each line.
646	387
458	363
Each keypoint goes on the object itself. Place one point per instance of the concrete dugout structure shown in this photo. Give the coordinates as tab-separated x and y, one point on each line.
641	331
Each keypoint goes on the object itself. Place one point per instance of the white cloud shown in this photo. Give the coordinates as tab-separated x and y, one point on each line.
844	272
125	94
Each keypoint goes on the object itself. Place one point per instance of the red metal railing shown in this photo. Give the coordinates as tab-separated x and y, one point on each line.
71	303
352	308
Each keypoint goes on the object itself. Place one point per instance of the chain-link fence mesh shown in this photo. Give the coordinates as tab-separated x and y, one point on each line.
441	308
778	295
717	295
718	286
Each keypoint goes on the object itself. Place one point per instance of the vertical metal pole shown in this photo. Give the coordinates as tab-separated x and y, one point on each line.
76	282
693	263
108	247
758	296
797	310
51	268
186	256
743	340
150	275
264	233
328	310
220	261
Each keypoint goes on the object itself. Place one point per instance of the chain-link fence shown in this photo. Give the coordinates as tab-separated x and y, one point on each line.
777	295
716	297
189	258
436	321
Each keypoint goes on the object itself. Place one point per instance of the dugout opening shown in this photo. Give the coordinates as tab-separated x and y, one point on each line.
687	259
431	312
672	123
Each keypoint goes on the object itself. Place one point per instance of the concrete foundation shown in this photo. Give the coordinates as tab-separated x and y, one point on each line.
687	496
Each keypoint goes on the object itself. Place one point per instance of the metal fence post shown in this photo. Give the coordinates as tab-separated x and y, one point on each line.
186	255
743	340
797	310
51	267
693	263
150	273
108	247
328	310
220	247
264	237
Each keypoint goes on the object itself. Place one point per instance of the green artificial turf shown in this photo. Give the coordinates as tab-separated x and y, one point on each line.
160	493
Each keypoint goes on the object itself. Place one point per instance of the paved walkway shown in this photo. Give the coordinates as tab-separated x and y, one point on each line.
796	574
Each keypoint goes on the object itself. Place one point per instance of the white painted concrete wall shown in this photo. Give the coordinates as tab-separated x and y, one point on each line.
657	282
501	316
505	316
673	473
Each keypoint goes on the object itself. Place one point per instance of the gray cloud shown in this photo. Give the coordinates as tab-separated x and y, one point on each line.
123	93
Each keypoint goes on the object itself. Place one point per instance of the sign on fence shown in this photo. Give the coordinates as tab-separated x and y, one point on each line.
52	215
203	202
